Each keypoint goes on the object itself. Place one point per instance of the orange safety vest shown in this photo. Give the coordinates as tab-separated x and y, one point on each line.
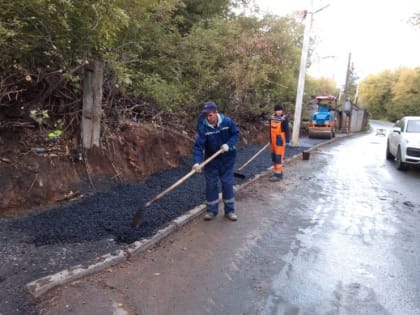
278	143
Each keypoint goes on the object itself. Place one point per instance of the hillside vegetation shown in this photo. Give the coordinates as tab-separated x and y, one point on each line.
160	57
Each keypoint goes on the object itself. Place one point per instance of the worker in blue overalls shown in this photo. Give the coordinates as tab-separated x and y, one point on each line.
214	132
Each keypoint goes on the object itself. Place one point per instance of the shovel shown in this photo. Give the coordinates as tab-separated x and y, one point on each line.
236	174
139	214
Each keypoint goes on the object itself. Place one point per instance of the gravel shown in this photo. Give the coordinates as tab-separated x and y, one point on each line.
44	243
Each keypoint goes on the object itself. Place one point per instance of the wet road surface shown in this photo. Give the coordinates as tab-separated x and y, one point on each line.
339	235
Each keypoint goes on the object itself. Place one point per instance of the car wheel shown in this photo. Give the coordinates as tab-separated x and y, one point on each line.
389	156
400	164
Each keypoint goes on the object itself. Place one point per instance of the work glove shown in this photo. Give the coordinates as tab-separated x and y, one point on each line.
197	168
224	147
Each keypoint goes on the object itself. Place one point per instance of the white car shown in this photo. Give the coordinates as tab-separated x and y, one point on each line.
381	132
403	143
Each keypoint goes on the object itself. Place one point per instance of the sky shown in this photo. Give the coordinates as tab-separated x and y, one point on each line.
374	32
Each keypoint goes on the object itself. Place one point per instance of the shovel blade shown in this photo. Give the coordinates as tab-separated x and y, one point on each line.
239	175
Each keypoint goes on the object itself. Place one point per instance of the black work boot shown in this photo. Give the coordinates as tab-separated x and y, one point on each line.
276	177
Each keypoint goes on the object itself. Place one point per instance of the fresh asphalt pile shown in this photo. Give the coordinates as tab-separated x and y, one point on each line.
55	239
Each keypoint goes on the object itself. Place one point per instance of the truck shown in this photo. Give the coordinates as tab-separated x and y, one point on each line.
324	121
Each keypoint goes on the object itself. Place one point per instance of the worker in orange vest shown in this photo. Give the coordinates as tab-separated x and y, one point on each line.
279	139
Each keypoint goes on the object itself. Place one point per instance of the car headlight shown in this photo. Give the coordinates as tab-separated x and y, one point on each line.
412	143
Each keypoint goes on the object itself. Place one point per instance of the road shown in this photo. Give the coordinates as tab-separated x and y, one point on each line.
339	235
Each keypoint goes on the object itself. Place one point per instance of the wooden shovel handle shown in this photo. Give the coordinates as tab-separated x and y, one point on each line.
254	156
183	179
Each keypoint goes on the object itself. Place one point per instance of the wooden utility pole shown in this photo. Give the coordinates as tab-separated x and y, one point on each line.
92	104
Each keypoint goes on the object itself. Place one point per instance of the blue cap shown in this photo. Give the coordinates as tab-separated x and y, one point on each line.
209	107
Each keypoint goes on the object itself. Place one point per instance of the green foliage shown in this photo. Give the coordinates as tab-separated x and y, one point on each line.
392	94
366	127
375	93
39	116
244	63
319	86
58	32
172	54
162	93
193	12
406	94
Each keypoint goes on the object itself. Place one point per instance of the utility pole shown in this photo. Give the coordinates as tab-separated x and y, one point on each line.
302	73
356	95
346	84
347	107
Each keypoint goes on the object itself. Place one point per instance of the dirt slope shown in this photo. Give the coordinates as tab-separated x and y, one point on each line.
36	174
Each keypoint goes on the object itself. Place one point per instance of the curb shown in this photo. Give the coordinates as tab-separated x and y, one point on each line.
40	286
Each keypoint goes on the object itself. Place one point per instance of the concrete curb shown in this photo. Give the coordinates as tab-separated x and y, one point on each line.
40	286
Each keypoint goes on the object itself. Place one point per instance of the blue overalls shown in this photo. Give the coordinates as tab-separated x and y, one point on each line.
209	140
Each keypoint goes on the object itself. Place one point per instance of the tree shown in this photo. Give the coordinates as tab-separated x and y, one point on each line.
375	94
47	43
158	56
392	94
320	86
243	63
406	94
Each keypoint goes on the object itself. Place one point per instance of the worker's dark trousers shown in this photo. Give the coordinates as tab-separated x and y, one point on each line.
220	169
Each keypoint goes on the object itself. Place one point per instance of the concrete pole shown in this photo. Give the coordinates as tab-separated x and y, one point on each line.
302	73
346	94
301	80
346	87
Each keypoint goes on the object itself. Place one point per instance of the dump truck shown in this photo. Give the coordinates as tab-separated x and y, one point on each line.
324	121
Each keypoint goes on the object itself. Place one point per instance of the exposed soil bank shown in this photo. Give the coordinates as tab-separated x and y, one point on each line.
35	176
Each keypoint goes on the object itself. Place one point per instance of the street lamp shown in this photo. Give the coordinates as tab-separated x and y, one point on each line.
302	73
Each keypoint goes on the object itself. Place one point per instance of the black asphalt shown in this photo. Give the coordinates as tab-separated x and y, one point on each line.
55	239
